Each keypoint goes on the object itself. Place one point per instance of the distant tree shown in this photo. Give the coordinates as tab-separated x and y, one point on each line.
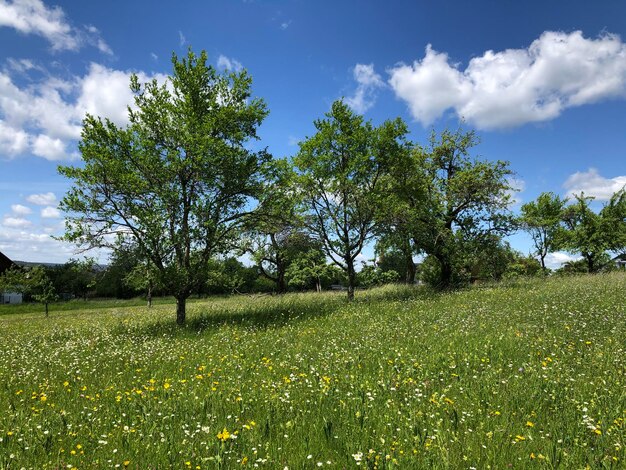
112	280
144	277
394	252
447	198
371	275
33	282
593	234
310	268
178	181
340	170
542	220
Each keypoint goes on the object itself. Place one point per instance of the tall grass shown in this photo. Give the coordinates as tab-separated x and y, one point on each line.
526	375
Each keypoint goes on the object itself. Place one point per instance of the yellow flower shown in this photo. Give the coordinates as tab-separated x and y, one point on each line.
66	384
224	435
166	385
126	463
530	424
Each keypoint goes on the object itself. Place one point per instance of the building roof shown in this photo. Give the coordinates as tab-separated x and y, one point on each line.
5	262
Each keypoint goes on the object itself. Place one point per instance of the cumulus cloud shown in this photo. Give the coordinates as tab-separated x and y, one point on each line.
557	259
43	199
21	210
50	212
16	222
368	81
33	17
516	86
45	117
593	184
229	64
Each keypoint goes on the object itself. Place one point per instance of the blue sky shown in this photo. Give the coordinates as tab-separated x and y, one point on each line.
543	83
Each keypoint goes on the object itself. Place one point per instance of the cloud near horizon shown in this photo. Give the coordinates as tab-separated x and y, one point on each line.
514	87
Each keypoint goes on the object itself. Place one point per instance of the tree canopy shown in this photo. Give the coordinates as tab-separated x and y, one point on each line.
178	181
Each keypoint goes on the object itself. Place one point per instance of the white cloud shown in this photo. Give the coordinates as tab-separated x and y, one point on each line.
49	148
21	210
285	24
12	141
46	117
16	222
44	199
515	86
368	82
50	212
33	17
231	65
182	40
593	184
557	259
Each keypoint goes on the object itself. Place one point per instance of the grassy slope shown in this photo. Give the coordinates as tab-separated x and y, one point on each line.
529	375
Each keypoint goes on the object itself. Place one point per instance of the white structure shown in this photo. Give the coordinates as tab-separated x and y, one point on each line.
10	298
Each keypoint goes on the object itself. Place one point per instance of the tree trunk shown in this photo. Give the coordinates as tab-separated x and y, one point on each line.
590	263
445	276
543	263
351	279
318	285
180	310
46	309
411	270
280	282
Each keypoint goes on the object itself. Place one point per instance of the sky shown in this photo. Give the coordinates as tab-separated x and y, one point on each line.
542	83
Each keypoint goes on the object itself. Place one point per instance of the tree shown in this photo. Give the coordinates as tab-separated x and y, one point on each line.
178	181
445	198
34	282
277	234
340	173
542	220
308	268
593	234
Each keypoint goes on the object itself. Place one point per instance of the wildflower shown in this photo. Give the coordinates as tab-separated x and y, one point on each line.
126	463
166	385
224	435
530	424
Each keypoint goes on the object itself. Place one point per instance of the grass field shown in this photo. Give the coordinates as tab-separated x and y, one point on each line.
526	375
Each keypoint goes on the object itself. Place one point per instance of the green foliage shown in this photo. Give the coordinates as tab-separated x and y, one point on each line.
33	282
340	173
446	199
371	276
178	181
542	220
593	234
310	270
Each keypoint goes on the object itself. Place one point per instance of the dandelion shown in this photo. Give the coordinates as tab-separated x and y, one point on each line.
224	435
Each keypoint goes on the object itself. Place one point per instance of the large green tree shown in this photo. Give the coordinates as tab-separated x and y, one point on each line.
341	169
178	181
542	220
446	198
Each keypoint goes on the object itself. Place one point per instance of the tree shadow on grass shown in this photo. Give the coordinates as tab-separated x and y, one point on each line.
253	313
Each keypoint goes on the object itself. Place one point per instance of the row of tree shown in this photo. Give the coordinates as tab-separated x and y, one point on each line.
185	184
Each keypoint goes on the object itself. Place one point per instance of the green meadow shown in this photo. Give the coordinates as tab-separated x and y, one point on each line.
529	374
